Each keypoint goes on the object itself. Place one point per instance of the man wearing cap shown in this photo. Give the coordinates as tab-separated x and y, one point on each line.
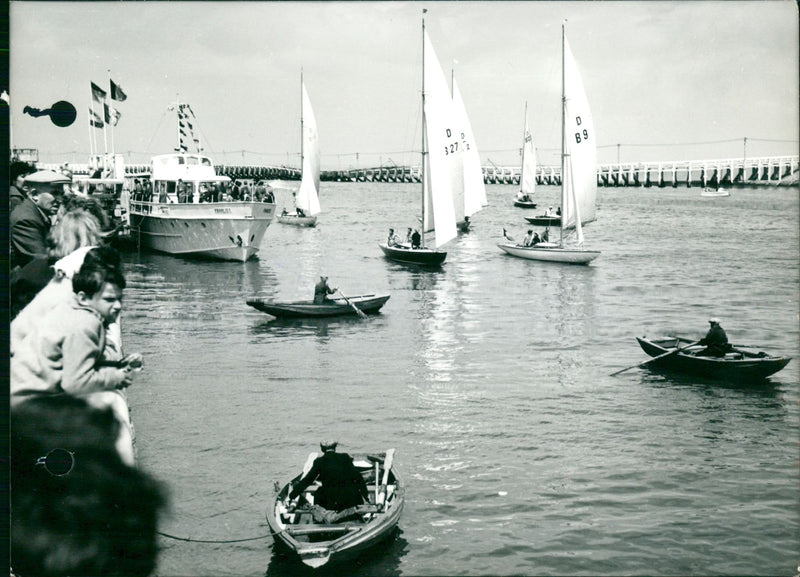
342	488
715	341
322	290
30	223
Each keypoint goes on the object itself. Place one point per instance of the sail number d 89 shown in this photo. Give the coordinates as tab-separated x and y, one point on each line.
581	135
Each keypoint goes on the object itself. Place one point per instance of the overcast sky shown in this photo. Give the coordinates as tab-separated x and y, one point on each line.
665	80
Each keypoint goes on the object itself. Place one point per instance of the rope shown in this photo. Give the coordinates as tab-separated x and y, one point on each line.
211	540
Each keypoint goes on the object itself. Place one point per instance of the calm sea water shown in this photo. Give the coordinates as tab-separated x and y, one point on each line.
520	453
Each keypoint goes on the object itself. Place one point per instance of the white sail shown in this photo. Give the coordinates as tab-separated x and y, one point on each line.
442	140
579	191
527	177
474	190
308	195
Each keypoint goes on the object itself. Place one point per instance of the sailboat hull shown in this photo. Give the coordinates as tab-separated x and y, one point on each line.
551	253
417	256
297	220
524	203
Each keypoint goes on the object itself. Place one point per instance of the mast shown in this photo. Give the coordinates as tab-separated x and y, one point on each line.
422	236
524	137
302	134
563	136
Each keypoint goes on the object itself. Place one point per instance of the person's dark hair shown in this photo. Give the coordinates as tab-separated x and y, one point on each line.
100	517
19	168
100	265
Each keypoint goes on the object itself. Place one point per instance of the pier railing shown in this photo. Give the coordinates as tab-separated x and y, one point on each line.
769	170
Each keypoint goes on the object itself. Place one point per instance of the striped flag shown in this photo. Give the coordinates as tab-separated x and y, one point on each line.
112	115
94	119
116	92
98	93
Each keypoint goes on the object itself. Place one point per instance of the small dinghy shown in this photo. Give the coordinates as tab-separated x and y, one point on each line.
737	365
333	307
315	543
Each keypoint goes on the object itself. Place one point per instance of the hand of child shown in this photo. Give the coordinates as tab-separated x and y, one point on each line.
125	377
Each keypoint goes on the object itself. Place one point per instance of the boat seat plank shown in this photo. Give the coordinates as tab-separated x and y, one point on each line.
312	528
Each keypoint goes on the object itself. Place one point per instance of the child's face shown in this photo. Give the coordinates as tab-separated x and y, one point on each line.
107	302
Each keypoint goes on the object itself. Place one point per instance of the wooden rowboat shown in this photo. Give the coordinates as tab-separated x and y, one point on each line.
737	365
316	544
334	307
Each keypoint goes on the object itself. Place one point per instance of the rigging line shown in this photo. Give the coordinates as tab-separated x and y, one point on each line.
212	540
160	120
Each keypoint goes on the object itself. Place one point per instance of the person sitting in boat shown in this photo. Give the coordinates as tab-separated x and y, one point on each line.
285	212
528	240
465	225
715	341
409	234
558	211
322	290
392	239
549	211
546	235
300	211
342	485
416	239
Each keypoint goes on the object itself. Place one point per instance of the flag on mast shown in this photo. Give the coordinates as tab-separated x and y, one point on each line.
112	115
98	93
116	91
94	119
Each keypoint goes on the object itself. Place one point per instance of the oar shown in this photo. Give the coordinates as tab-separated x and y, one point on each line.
684	339
359	312
661	356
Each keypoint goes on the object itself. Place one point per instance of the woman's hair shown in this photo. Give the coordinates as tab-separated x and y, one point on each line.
75	229
91	205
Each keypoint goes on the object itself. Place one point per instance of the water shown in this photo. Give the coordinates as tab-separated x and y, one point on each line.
491	379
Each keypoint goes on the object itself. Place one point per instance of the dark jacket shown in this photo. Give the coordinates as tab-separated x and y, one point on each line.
29	228
716	342
321	292
15	198
342	484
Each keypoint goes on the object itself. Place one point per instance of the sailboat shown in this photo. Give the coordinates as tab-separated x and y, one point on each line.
307	198
439	141
527	172
469	195
578	173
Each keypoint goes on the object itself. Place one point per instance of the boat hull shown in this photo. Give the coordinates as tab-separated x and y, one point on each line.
218	230
712	193
544	220
524	204
551	253
296	220
426	257
316	544
367	304
742	366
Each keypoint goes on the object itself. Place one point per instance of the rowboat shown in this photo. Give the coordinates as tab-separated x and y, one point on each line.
333	307
737	365
316	544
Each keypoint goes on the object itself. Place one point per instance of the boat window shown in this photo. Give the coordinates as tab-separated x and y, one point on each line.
170	186
191	160
206	161
181	160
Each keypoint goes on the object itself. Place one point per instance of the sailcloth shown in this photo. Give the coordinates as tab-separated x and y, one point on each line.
474	190
308	195
579	191
441	137
527	179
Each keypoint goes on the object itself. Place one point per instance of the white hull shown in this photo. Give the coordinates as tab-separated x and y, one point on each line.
710	192
551	253
218	230
295	220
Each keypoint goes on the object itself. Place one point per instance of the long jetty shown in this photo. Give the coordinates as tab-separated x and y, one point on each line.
769	170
